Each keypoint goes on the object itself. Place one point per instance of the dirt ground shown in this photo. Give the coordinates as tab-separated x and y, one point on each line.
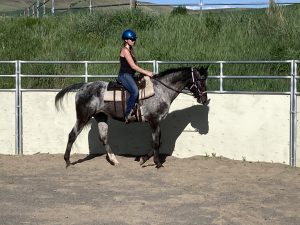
199	190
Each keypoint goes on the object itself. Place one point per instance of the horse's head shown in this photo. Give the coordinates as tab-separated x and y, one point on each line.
198	84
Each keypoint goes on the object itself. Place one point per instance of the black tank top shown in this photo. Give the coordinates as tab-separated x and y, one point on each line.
125	67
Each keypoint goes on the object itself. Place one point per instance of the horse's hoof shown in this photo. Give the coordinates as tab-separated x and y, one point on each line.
67	160
68	164
143	160
116	163
159	165
113	162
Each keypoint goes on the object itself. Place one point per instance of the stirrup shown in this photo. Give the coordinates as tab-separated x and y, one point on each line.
126	118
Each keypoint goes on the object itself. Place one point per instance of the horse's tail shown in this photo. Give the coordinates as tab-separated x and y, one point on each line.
59	96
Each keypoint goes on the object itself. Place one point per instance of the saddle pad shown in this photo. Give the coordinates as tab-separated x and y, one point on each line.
146	92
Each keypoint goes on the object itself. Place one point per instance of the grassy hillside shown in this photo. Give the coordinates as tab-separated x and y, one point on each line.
221	35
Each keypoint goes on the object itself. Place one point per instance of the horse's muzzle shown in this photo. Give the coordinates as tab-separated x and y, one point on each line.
203	102
203	99
206	102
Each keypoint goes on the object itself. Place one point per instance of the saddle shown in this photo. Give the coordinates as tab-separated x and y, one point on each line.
115	90
117	86
118	95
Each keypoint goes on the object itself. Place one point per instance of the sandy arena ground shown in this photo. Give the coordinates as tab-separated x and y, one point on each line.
39	190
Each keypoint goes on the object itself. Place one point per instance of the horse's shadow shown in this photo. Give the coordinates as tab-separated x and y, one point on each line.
135	139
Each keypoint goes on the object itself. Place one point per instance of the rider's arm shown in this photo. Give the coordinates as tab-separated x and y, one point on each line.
125	52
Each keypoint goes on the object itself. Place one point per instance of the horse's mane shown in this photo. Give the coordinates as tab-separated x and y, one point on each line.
173	70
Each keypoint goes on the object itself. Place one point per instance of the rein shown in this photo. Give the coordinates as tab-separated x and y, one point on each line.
171	87
187	93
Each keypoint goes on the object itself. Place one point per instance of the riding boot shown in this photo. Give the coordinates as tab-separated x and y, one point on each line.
128	116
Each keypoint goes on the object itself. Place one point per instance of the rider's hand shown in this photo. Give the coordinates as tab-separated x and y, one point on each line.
150	74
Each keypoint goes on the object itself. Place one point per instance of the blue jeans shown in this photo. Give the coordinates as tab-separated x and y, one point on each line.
128	82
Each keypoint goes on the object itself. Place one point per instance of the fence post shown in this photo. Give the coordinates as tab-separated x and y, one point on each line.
86	72
221	76
201	5
33	11
90	6
293	115
52	7
132	4
26	11
156	67
18	109
37	8
44	7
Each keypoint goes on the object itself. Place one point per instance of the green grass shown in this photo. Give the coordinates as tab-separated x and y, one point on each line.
255	34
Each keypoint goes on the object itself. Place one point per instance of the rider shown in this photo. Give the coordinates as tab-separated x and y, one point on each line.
128	67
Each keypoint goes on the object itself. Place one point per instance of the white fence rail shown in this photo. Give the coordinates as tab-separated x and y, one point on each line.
292	76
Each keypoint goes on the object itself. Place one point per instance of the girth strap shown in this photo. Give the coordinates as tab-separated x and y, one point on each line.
115	105
123	99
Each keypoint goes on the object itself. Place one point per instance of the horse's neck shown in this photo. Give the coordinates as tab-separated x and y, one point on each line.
176	81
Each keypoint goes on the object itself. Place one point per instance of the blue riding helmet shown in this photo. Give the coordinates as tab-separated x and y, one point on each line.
129	34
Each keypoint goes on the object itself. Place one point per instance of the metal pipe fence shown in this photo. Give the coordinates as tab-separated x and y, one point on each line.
38	5
293	77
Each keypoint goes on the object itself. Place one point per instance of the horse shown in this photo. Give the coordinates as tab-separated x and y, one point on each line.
89	102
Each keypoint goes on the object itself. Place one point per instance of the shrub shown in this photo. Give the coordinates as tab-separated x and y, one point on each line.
180	10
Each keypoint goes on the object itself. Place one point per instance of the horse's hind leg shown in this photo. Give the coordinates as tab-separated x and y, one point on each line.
72	137
101	119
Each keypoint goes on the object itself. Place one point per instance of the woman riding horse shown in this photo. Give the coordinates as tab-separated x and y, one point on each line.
128	67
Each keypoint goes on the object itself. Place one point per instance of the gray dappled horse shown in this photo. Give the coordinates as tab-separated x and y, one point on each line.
167	85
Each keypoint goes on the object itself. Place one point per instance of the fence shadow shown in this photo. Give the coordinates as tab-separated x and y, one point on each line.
135	139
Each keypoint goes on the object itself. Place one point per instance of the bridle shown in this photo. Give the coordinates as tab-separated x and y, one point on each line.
195	86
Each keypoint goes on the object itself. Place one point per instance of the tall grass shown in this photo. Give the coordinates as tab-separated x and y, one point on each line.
256	34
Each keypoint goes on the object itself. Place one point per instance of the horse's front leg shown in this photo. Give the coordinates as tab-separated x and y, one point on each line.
156	136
